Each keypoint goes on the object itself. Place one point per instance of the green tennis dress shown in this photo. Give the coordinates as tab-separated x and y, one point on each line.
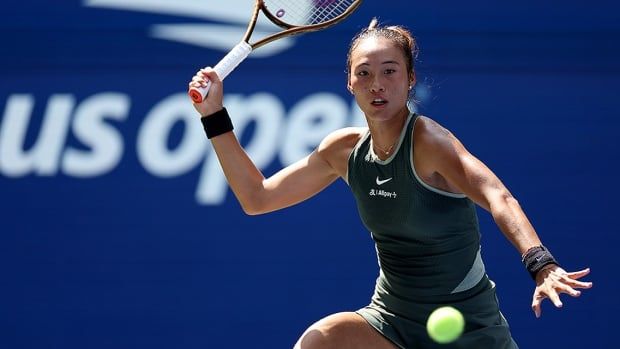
428	248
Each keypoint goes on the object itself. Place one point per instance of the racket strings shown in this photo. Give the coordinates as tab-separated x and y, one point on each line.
307	12
324	13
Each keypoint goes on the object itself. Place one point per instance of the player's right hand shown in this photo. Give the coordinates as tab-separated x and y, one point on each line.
213	101
553	280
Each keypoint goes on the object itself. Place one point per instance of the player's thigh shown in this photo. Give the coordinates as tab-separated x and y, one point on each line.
343	331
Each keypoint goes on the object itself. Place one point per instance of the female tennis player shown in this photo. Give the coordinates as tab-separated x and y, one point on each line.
416	187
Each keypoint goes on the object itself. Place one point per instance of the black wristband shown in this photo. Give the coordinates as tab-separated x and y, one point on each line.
536	258
217	123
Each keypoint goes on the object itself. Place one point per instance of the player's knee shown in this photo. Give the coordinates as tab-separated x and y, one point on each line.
321	336
313	339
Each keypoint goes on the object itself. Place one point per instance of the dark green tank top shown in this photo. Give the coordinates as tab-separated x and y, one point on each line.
427	240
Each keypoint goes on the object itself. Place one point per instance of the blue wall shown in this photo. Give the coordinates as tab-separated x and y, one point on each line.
118	231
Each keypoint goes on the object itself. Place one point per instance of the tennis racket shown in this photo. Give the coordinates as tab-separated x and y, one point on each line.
293	16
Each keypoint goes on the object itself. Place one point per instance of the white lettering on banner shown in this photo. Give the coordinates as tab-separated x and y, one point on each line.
289	138
105	142
311	120
43	157
226	24
151	145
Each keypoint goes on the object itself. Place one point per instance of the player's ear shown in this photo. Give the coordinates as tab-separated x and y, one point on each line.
349	87
411	79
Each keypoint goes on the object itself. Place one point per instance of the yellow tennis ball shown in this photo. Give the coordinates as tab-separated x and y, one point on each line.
445	324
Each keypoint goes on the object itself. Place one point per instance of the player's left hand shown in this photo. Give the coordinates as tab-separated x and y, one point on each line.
553	280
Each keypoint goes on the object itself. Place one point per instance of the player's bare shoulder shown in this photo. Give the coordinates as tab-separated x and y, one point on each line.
429	135
429	130
338	145
434	148
345	137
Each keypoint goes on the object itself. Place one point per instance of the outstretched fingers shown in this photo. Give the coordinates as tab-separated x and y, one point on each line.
578	274
556	282
540	295
571	279
568	290
577	284
536	306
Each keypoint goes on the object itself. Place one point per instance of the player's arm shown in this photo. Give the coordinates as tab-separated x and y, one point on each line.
446	156
449	159
289	186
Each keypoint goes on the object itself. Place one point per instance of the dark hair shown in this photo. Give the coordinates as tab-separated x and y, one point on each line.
399	35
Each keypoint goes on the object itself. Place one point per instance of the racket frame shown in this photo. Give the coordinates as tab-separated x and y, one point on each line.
291	29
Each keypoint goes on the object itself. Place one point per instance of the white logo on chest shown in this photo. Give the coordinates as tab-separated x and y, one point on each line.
383	181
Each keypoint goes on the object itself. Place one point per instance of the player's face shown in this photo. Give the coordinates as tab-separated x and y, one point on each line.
379	78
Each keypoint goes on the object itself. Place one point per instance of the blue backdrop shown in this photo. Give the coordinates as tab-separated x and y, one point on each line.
119	231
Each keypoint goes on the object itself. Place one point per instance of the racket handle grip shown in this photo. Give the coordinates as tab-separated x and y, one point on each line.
223	68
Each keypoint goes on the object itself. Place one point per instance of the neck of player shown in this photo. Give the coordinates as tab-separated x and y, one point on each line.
385	133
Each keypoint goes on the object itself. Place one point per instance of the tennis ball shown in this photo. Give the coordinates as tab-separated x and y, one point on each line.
445	324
